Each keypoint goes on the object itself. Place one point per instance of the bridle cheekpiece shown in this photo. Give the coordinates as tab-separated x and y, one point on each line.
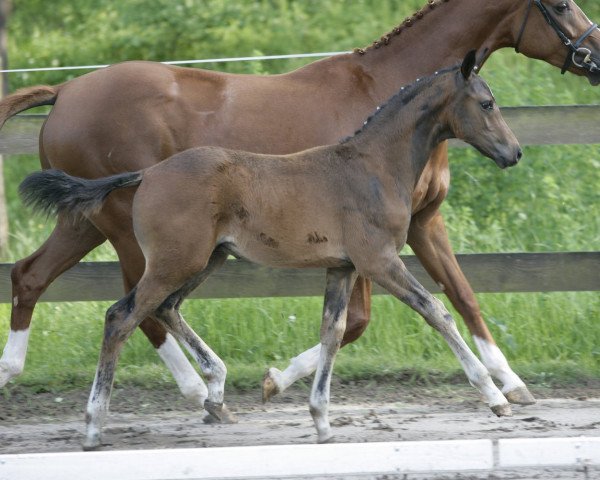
577	55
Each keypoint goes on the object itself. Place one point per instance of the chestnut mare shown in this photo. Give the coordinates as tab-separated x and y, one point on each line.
135	114
354	197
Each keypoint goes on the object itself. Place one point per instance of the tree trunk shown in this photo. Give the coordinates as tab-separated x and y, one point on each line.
4	11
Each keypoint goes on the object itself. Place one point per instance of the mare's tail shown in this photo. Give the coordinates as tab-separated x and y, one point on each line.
53	191
27	98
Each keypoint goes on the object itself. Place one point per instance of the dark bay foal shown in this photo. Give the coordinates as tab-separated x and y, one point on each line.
345	207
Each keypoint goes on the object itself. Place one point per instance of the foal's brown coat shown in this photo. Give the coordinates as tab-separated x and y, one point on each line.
345	207
133	115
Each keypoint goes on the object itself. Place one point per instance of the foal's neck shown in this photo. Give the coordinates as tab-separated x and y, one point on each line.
401	136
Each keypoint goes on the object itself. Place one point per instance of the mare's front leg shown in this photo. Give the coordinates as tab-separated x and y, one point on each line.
337	295
391	273
429	240
69	242
359	314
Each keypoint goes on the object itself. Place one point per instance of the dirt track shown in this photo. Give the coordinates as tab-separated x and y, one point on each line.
364	412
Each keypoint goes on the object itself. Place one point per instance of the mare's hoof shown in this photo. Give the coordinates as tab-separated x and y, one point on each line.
269	386
219	412
502	410
520	396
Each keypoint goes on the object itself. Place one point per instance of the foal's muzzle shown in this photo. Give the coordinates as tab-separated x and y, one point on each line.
511	159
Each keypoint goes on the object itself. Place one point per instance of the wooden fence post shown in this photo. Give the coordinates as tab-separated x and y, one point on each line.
4	12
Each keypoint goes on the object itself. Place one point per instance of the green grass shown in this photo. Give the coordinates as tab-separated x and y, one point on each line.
548	203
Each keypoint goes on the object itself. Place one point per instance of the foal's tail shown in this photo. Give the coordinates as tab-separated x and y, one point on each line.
53	191
27	98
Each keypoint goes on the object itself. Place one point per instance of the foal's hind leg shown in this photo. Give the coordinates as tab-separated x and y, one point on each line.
189	382
121	320
359	314
337	295
67	244
429	240
212	366
392	275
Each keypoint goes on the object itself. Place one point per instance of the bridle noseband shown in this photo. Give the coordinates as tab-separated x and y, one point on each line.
575	48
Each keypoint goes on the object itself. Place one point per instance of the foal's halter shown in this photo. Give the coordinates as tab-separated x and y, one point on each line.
578	55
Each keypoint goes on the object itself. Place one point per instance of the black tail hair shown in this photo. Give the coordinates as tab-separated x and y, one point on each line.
53	191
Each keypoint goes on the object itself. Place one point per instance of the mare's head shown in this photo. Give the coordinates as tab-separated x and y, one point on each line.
558	32
476	118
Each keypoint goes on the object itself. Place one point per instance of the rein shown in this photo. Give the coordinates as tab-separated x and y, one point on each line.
575	48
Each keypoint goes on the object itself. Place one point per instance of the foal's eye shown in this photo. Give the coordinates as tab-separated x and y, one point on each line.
489	105
561	8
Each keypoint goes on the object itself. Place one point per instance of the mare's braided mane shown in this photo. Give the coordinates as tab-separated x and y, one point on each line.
407	23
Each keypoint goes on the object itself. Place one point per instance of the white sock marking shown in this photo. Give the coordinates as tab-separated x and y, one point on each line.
188	380
13	357
496	363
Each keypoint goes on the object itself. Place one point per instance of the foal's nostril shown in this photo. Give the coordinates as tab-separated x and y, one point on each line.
519	154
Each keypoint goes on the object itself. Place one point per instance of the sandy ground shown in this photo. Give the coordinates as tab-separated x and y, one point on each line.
363	412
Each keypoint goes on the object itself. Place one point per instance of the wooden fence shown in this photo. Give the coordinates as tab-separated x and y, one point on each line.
498	272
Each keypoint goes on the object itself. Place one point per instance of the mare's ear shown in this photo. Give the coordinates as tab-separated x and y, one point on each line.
468	64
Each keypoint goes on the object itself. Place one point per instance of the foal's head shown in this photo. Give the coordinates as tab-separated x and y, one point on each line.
476	119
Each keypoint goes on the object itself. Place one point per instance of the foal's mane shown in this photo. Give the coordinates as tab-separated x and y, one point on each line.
407	23
402	98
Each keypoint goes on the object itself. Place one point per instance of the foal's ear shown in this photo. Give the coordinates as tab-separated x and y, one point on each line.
469	64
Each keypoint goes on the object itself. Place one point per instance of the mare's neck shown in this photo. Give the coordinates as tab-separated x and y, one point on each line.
440	37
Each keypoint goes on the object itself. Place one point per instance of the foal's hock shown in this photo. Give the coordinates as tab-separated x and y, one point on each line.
345	207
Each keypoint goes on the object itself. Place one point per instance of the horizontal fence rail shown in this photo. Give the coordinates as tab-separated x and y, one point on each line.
472	458
491	273
546	125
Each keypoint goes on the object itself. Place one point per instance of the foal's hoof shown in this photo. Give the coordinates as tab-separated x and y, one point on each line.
520	396
326	439
219	412
502	410
269	385
91	445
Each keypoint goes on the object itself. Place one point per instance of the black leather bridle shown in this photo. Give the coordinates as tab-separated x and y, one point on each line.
578	55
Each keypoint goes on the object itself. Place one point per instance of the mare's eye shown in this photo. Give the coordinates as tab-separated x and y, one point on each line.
561	8
489	105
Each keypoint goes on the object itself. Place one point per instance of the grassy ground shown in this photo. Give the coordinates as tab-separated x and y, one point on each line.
548	203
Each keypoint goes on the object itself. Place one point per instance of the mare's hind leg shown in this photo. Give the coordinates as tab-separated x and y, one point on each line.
337	296
391	274
212	366
429	240
359	313
68	243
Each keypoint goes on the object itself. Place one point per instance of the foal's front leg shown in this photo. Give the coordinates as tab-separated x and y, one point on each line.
359	313
337	295
396	279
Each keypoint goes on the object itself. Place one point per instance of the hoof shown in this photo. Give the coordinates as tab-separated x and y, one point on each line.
520	396
91	445
269	386
219	412
326	439
502	410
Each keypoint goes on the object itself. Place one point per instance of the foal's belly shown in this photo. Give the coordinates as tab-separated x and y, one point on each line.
269	251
